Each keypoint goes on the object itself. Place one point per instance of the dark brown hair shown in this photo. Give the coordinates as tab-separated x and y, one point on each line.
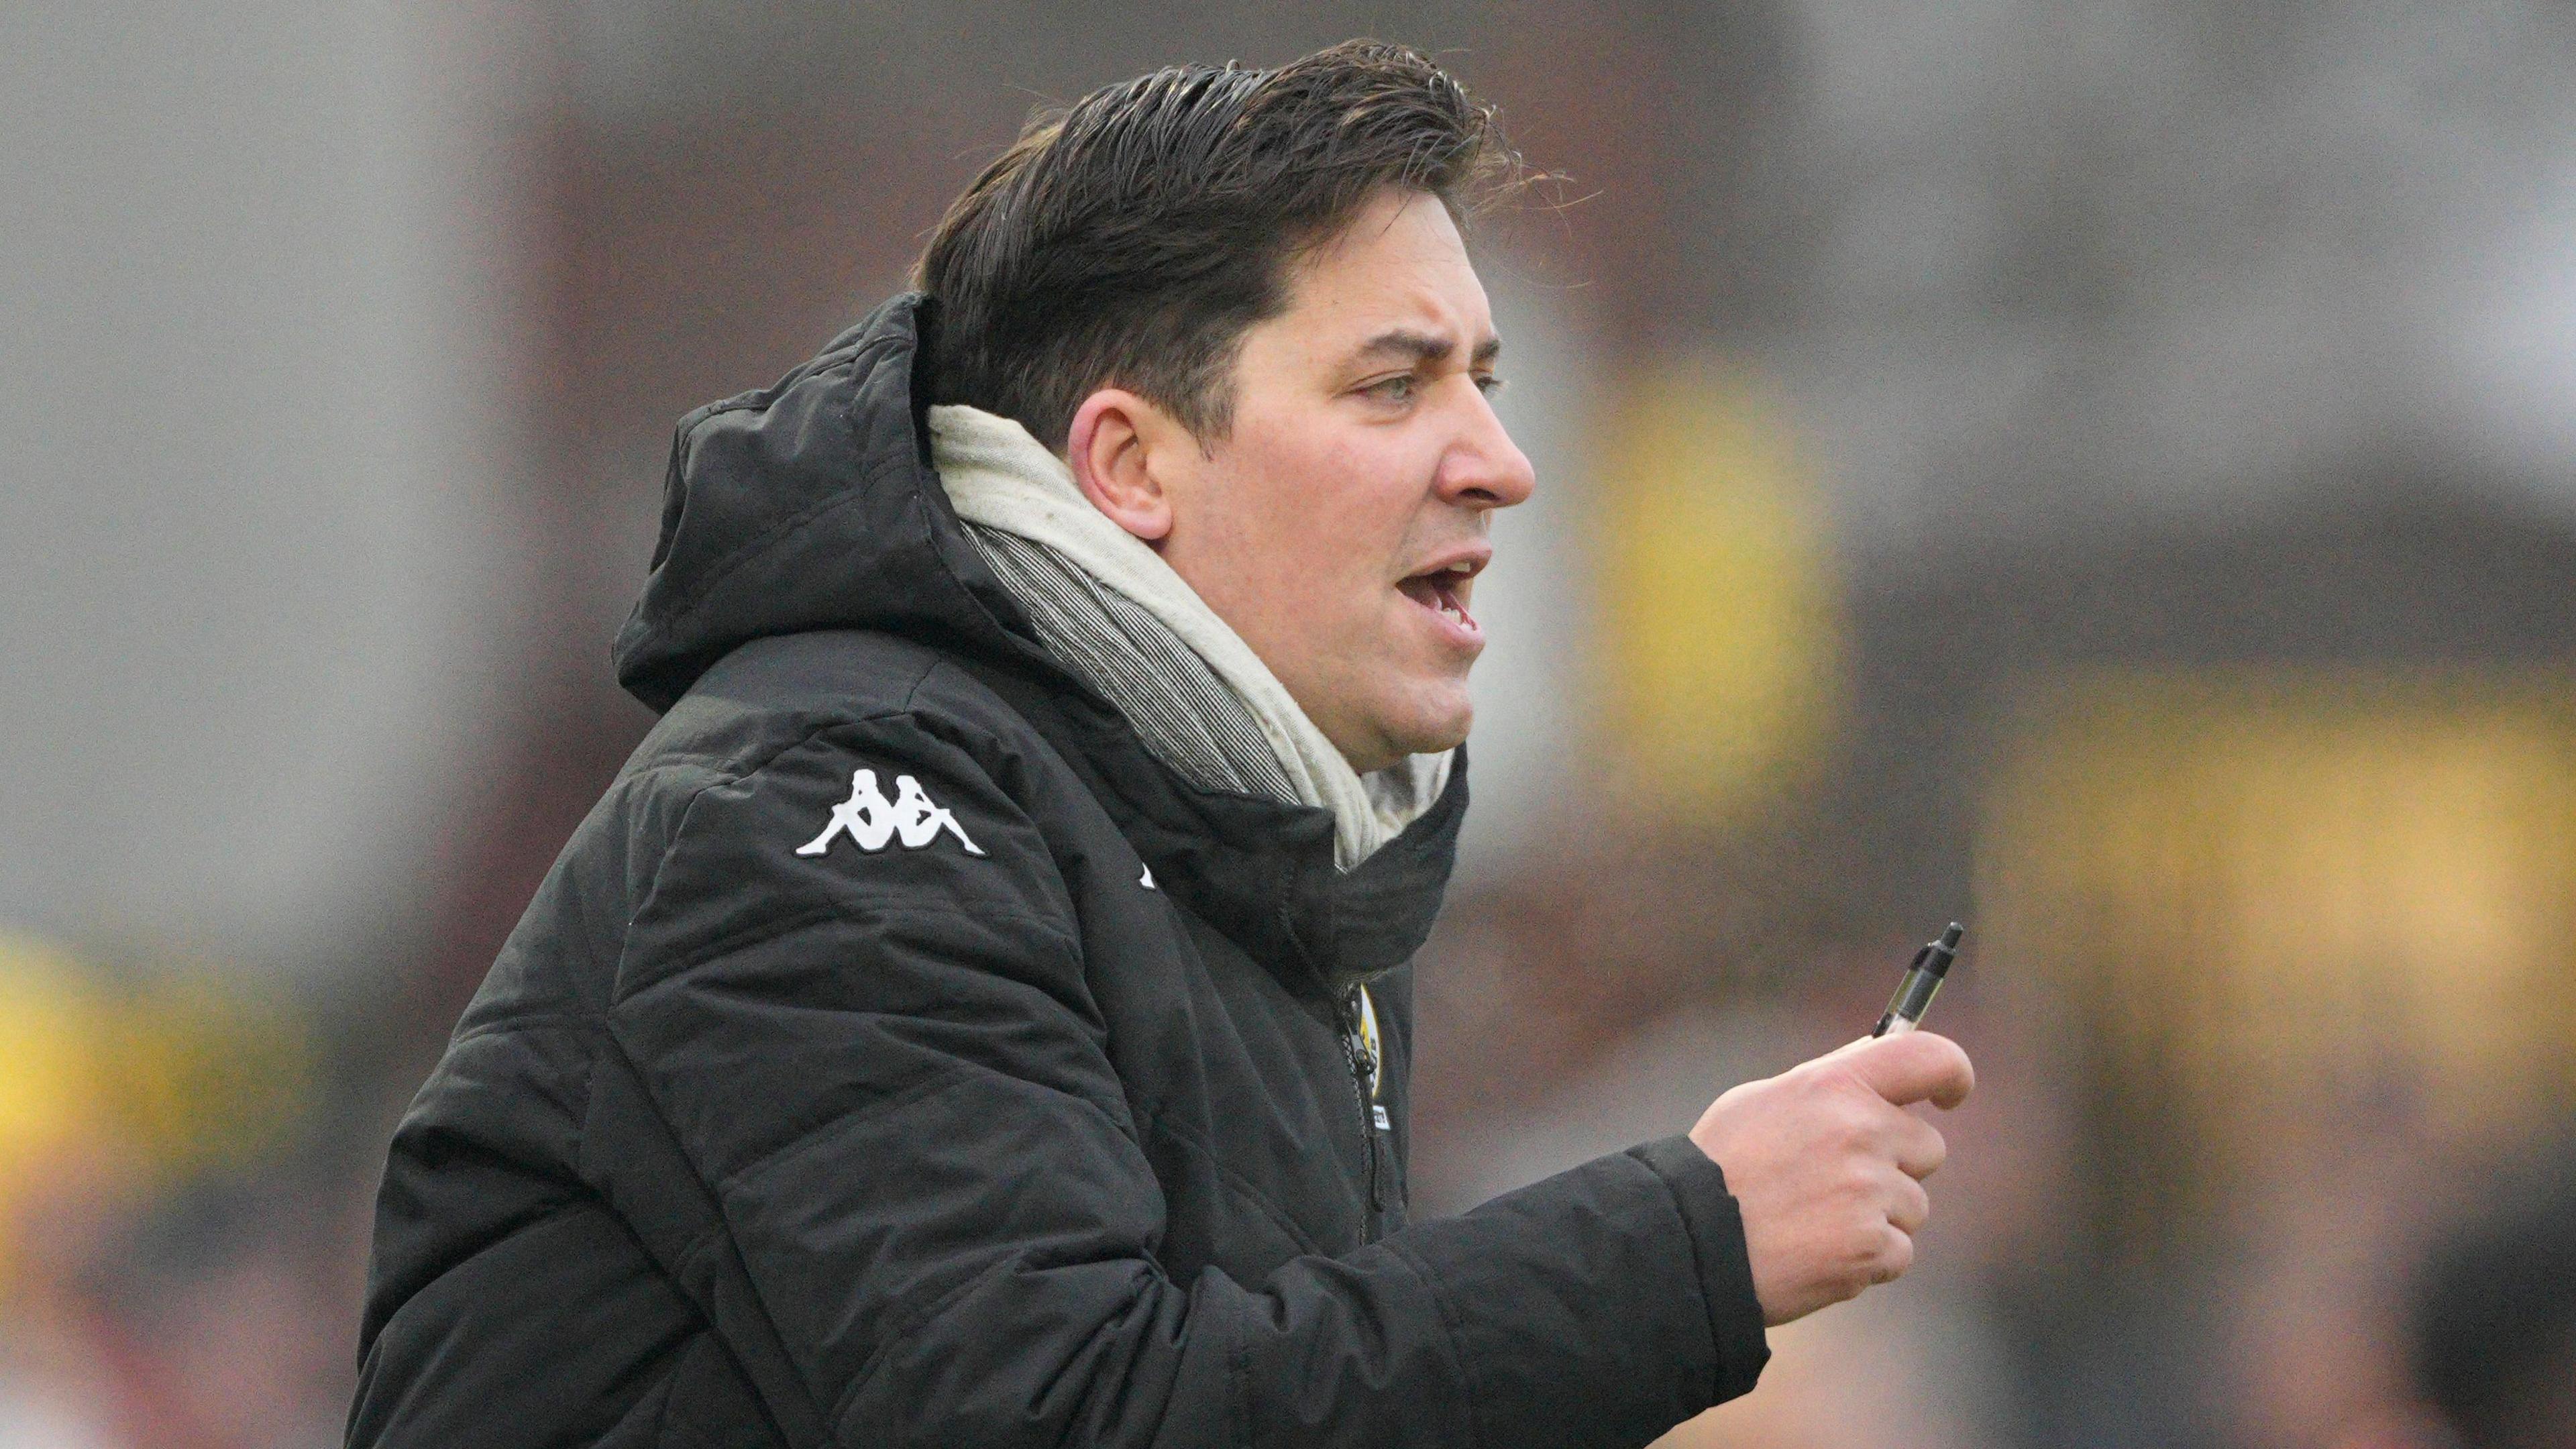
1130	239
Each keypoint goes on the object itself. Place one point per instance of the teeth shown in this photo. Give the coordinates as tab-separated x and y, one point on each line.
1447	599
1438	590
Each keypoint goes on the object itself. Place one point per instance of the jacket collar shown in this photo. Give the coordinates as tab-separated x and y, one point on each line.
1260	871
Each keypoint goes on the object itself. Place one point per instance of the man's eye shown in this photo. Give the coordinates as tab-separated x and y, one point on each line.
1488	384
1398	388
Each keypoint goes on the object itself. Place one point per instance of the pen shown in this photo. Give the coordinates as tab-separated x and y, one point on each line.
1922	978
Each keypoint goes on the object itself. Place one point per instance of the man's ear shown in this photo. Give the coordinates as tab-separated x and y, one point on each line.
1116	440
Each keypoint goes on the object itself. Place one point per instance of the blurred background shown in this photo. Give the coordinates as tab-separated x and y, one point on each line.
2103	472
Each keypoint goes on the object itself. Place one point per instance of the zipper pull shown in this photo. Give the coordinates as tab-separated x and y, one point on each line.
1364	1086
1364	1058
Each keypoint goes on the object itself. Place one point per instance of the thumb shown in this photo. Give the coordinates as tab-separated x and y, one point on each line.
1916	1067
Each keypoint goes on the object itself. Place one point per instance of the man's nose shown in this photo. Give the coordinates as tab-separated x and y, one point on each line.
1484	468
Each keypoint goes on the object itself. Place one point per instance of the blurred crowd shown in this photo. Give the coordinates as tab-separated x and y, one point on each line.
2099	472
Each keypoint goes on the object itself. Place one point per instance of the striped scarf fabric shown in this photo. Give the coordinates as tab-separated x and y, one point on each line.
1185	713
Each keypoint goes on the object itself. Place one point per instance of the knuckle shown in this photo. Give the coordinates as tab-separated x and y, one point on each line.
1858	1124
1897	1257
1868	1241
1837	1082
1860	1267
1887	1252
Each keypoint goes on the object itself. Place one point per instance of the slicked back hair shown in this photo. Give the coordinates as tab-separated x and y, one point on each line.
1131	239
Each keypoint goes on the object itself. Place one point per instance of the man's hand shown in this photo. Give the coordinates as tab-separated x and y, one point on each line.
1826	1166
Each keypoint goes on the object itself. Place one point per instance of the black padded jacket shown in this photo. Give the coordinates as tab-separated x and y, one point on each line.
900	1054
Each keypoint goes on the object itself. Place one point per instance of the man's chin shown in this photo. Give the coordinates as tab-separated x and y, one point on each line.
1421	731
1417	715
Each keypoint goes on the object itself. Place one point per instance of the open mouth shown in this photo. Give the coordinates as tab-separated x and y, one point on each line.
1444	591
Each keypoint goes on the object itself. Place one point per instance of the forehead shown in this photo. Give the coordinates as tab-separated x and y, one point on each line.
1399	262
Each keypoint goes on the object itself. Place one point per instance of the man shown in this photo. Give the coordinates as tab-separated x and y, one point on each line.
978	1015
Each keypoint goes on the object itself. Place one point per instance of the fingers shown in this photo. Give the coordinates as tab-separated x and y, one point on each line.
1895	1254
1827	1165
1916	1067
1918	1146
1909	1207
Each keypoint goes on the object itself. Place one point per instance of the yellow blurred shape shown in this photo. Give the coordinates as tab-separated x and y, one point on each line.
50	1077
1720	624
206	1075
52	1097
2274	909
156	1076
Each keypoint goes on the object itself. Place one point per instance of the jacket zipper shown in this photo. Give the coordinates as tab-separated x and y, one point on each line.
1363	1091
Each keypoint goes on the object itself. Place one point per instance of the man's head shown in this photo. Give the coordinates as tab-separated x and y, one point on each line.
1238	302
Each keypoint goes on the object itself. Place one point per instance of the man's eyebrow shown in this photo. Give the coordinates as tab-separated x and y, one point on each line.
1425	347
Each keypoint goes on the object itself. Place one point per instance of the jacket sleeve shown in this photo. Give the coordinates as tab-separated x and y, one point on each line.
888	1074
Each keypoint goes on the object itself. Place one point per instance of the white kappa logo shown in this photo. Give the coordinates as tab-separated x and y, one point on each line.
870	819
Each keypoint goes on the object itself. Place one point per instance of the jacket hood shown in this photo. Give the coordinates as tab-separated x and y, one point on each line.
812	505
